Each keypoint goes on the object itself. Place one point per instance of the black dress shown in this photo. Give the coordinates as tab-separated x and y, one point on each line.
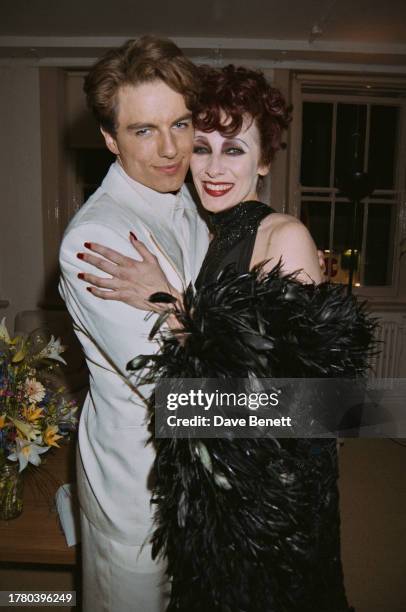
252	525
234	233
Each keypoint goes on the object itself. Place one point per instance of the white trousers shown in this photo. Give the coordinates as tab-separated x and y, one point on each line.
117	577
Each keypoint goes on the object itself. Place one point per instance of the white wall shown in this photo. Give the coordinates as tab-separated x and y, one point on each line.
21	234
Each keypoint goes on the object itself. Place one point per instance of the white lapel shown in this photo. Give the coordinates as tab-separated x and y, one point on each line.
198	240
196	231
192	238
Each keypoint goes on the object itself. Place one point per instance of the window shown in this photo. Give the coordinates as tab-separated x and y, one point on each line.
91	166
348	125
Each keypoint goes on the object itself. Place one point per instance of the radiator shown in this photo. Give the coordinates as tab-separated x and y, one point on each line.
390	338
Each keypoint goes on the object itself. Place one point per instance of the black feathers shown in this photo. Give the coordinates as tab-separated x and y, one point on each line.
252	525
268	325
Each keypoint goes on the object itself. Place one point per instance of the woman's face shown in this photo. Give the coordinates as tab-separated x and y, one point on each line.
226	170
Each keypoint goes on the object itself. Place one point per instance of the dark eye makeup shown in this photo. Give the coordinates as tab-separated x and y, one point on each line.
229	148
233	150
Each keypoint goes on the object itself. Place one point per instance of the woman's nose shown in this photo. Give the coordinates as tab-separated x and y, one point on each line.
214	167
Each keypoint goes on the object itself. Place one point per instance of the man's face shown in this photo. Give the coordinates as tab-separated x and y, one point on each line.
154	138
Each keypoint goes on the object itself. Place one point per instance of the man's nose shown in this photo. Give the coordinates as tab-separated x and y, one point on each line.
167	146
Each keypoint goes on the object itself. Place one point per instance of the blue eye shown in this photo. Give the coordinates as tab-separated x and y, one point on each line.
182	125
142	132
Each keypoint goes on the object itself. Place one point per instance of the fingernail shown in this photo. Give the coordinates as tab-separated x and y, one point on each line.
87	245
133	235
89	289
80	255
81	275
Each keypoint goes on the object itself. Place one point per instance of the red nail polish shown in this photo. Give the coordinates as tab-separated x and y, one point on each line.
89	289
81	275
133	235
87	245
79	255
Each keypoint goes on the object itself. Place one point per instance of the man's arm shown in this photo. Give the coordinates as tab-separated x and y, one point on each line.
114	327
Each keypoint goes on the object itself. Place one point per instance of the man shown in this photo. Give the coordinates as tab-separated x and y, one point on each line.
142	95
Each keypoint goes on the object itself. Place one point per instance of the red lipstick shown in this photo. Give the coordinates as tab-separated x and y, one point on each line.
216	190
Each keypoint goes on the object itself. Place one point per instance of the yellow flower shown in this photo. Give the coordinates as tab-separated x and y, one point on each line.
3	418
30	432
51	436
21	351
32	413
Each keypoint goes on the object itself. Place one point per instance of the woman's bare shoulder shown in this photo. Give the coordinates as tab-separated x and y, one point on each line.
270	227
277	221
286	237
279	226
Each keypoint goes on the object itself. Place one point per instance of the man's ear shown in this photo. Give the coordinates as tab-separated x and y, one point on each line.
110	141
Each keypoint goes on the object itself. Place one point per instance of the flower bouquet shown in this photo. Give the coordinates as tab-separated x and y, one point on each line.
35	414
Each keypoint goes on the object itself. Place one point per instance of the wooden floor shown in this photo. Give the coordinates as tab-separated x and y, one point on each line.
373	531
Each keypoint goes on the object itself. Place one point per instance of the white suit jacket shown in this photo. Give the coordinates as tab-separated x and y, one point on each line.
113	488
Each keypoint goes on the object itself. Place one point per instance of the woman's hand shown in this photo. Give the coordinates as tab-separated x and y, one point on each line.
322	262
132	281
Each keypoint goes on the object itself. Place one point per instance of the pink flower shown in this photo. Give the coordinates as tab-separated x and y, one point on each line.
35	390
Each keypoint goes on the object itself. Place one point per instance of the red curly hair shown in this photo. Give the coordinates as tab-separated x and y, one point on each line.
238	93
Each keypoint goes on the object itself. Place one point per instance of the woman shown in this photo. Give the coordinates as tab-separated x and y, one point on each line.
248	525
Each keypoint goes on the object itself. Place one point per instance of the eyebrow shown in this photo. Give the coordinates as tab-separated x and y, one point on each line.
230	139
140	126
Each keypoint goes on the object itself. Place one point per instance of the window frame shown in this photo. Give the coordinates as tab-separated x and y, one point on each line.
301	81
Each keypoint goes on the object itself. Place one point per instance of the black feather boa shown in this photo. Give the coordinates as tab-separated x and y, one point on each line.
252	525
